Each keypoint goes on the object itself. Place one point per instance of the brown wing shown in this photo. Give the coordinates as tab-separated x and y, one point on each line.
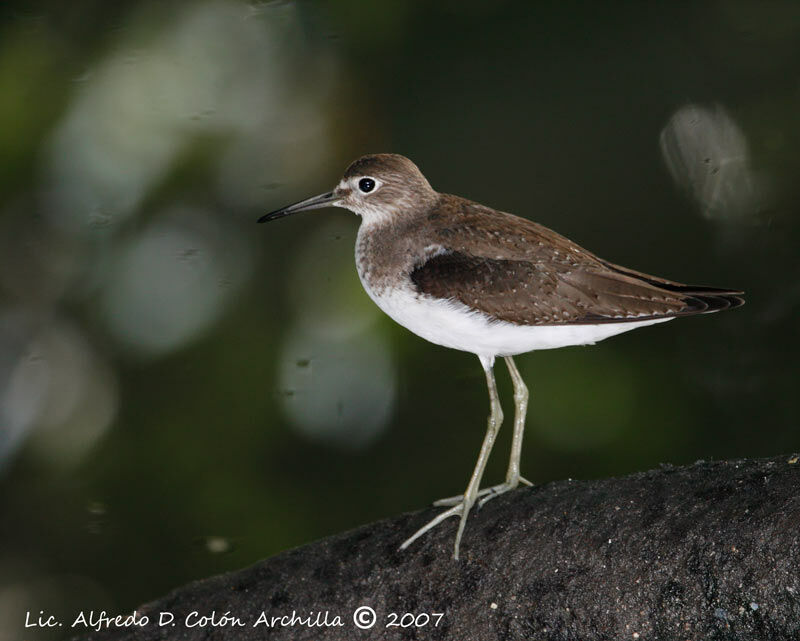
514	270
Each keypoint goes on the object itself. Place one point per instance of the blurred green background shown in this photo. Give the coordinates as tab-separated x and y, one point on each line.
184	392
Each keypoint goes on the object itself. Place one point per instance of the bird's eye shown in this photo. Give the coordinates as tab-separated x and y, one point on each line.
366	185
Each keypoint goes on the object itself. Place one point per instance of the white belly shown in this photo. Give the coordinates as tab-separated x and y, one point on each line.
452	324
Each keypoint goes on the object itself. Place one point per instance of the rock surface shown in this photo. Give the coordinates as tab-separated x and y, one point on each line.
708	551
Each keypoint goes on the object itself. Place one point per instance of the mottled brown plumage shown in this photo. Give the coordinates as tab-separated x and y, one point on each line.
519	271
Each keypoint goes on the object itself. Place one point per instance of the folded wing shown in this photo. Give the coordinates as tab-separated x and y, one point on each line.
539	292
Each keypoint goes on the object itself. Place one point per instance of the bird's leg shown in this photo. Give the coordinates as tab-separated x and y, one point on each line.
463	506
513	478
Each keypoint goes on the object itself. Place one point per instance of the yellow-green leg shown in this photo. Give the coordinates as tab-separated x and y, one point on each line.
464	503
513	478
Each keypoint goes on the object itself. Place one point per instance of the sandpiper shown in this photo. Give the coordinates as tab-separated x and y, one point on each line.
472	278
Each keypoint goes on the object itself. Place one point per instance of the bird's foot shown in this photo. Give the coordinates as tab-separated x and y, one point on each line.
497	490
486	493
461	509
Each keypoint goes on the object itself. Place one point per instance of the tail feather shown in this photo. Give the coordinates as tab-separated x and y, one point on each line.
699	299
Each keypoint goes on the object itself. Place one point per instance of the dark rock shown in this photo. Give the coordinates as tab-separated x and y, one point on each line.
709	551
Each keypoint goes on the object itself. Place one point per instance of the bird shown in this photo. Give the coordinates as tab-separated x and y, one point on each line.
472	278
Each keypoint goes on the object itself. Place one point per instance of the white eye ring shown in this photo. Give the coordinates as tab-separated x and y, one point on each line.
366	185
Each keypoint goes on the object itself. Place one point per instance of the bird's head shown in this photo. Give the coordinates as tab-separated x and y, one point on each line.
377	187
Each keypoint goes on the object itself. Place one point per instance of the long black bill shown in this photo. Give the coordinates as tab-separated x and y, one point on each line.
323	200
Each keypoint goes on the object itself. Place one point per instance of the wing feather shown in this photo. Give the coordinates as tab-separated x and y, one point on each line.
518	271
